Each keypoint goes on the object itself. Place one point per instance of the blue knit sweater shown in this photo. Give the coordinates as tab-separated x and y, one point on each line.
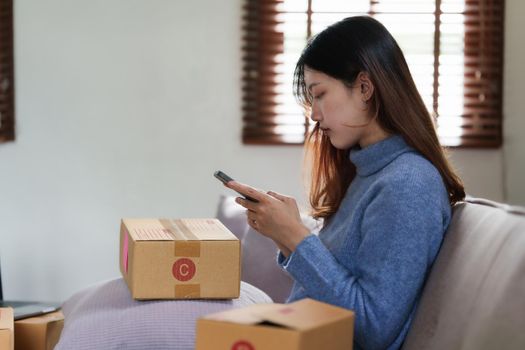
374	254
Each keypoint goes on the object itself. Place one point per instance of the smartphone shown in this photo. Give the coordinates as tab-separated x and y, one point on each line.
225	179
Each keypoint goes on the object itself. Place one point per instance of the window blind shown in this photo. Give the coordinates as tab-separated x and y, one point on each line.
6	71
454	49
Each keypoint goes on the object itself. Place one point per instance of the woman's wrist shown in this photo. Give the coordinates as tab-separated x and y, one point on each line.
296	236
284	250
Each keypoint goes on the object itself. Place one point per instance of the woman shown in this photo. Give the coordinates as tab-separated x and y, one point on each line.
380	181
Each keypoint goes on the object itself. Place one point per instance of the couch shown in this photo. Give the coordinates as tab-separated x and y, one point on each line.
474	297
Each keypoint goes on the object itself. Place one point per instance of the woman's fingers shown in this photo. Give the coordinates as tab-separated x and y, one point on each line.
277	196
248	204
250	215
247	190
252	221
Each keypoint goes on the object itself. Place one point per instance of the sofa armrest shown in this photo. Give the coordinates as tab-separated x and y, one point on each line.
474	296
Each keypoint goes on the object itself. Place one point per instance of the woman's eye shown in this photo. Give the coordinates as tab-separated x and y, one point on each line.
318	96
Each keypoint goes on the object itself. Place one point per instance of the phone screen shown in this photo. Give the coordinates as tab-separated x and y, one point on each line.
225	179
222	177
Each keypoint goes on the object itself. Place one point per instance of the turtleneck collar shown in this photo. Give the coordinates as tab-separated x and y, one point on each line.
375	157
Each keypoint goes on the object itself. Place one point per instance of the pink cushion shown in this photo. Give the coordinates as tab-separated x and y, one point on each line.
105	316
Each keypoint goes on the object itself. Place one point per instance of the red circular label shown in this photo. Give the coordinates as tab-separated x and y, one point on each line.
183	269
242	345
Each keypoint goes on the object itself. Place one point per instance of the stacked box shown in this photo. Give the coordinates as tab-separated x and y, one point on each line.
40	332
6	329
303	325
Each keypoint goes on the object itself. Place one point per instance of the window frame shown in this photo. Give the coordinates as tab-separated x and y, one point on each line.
7	101
481	120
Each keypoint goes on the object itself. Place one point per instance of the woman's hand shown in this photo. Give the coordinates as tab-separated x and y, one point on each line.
274	215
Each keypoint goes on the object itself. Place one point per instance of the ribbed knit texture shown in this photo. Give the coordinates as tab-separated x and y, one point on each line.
374	254
105	317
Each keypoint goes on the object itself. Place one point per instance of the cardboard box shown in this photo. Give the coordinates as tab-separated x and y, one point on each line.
6	329
303	325
40	332
180	259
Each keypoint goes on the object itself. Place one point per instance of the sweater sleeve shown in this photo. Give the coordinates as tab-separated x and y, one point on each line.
401	230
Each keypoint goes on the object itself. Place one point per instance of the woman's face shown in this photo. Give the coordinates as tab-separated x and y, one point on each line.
341	111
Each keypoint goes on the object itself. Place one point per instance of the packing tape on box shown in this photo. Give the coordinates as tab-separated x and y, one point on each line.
188	248
178	229
187	245
188	291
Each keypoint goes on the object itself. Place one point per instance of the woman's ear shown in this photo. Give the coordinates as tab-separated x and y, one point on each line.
365	85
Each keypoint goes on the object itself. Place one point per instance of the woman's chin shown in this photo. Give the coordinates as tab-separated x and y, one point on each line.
342	145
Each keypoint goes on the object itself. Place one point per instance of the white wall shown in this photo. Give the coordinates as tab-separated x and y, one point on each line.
124	109
513	107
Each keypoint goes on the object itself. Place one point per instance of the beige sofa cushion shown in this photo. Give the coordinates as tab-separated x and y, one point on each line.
474	298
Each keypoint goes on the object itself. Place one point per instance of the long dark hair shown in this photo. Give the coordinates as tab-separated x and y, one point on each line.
342	51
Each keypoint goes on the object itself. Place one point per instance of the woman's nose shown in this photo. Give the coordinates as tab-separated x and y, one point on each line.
315	114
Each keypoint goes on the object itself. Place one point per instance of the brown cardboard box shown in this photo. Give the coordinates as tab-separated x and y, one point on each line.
39	333
6	329
303	325
179	259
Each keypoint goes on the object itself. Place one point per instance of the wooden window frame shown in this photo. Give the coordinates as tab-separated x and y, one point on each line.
482	117
7	101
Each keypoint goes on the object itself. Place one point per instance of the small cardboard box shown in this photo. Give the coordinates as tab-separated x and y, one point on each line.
40	332
6	329
303	325
179	259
